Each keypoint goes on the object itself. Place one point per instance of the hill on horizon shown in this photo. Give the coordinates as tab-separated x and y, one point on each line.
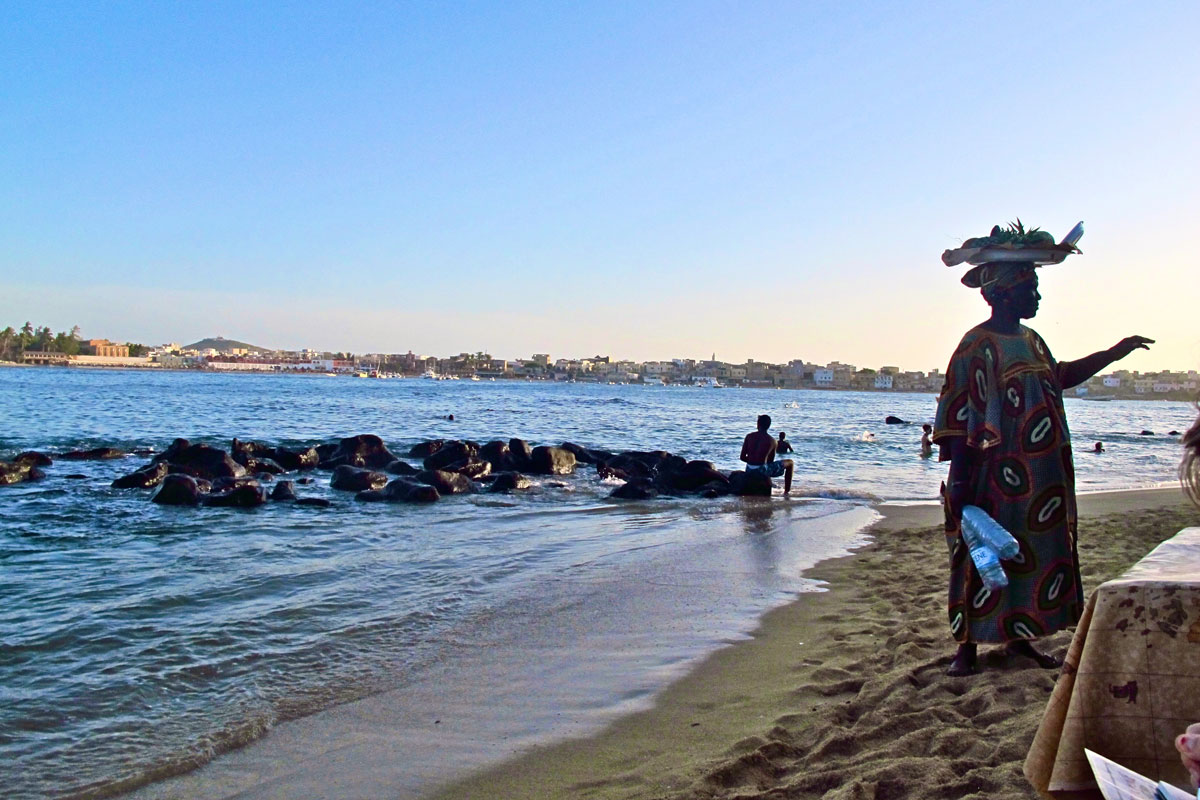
223	345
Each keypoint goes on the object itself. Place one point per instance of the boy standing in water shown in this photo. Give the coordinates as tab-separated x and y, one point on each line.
926	440
758	451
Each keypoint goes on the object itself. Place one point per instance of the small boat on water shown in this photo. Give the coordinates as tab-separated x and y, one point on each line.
709	383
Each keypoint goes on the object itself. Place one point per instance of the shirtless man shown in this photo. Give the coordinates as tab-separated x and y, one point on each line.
758	451
783	445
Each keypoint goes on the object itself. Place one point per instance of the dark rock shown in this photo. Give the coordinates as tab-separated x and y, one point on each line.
449	453
19	472
175	447
284	490
605	471
425	449
371	496
365	450
144	478
264	477
292	460
75	476
646	463
1169	433
750	484
636	489
628	464
33	457
555	485
582	454
225	484
501	457
404	490
353	479
324	451
445	482
178	490
1146	433
304	481
551	461
244	495
268	465
399	467
890	420
95	454
241	451
495	452
690	477
600	456
313	501
520	452
248	454
716	489
509	481
473	468
205	461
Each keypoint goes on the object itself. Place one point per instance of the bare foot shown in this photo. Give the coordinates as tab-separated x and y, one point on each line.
965	661
1021	647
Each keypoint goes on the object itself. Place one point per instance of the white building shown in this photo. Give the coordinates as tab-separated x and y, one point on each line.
883	380
823	377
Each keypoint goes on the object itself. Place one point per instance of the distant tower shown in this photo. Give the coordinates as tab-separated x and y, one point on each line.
714	357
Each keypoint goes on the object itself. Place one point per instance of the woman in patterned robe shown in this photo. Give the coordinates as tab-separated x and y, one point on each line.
1001	424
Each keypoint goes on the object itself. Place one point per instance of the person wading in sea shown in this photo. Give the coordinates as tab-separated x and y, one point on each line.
1001	424
758	451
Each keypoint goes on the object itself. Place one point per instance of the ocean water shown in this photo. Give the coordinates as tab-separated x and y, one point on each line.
138	642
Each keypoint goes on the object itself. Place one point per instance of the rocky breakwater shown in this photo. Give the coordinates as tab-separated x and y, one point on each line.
197	474
188	474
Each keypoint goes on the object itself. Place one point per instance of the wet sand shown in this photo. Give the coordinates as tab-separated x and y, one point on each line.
842	694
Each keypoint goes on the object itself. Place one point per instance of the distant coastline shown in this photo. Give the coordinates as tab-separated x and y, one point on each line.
150	366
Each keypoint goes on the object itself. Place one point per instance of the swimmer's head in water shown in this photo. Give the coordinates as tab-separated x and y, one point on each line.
764	422
927	427
782	436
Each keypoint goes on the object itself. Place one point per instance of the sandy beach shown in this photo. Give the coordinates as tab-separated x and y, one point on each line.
842	694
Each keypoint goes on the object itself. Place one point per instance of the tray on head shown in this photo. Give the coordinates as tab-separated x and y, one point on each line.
1049	254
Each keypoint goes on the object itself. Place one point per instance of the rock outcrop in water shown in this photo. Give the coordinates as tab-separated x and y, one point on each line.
147	477
19	471
190	474
95	454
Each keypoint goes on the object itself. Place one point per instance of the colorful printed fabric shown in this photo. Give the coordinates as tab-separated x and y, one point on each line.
1003	392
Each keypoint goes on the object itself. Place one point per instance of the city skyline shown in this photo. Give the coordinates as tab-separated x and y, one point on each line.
771	180
553	358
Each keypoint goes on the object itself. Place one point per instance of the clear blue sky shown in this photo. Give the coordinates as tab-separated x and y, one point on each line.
648	180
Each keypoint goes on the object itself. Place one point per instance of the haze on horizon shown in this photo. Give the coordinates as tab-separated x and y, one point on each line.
655	180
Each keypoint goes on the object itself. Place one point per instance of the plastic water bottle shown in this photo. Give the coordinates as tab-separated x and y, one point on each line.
987	561
991	532
1075	235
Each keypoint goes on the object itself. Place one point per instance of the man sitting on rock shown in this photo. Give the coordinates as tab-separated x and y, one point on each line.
758	451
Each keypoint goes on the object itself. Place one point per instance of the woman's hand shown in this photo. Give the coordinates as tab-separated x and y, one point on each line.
958	494
1188	745
1128	345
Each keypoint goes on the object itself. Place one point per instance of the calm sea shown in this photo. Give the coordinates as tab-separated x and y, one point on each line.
137	641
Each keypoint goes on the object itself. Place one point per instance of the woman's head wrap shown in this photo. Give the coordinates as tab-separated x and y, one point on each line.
998	276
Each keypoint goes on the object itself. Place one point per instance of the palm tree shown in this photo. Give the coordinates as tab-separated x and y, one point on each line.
8	341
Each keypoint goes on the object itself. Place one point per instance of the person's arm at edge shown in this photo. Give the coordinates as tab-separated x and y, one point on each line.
745	447
1076	372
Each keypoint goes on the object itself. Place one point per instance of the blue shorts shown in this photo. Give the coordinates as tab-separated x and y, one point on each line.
772	469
